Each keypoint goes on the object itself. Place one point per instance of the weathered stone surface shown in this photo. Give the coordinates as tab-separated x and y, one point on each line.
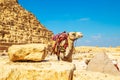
36	70
17	25
33	52
101	63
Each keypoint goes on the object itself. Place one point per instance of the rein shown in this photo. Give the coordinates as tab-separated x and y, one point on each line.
63	48
75	42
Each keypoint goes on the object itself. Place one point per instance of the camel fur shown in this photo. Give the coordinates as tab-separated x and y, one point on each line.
66	55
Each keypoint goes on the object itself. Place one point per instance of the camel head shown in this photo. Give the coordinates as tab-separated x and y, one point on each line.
75	35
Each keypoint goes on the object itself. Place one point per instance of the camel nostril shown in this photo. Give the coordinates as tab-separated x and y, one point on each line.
82	36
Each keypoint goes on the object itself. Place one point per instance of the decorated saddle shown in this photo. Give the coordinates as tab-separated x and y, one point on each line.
59	38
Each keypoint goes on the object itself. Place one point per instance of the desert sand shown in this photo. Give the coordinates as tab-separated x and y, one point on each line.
81	55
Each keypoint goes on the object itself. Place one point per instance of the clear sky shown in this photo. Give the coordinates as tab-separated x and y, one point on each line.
98	20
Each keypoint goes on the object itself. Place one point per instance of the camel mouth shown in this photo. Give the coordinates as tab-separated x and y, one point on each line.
81	35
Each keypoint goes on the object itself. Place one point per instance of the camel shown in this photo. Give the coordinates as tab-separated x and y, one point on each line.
66	54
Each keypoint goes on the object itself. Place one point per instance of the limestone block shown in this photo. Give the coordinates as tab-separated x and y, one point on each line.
36	71
32	52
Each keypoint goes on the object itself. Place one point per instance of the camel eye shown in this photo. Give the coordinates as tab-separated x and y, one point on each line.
74	34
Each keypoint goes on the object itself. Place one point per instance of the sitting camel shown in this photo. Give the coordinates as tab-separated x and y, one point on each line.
64	52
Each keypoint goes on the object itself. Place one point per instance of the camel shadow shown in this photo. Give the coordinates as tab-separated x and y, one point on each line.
30	61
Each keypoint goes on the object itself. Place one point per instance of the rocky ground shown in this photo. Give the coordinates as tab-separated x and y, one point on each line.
29	70
81	72
58	70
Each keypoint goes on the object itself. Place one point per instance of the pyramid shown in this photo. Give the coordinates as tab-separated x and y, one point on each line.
19	26
101	63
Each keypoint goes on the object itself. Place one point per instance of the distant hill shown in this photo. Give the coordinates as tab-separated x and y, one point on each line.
92	49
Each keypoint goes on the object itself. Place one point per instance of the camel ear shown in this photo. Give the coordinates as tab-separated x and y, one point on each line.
68	34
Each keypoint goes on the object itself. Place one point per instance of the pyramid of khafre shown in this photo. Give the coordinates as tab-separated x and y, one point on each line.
20	26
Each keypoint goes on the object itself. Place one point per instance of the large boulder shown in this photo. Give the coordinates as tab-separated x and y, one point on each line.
48	70
101	63
32	52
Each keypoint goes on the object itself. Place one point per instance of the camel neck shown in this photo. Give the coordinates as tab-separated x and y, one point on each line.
70	43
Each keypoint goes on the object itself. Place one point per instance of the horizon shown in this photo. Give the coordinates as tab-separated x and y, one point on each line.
99	21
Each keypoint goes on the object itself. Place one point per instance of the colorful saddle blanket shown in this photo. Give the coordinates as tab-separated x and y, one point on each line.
59	38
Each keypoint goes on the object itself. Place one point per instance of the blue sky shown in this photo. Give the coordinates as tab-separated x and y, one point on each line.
98	20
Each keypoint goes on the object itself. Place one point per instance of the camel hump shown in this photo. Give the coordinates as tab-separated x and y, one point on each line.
63	36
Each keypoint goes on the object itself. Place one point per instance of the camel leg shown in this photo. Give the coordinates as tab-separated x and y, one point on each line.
58	57
52	52
58	53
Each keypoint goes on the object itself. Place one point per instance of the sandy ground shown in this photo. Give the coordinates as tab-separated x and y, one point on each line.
80	73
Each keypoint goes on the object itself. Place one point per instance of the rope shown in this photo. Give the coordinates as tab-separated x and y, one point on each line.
75	42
